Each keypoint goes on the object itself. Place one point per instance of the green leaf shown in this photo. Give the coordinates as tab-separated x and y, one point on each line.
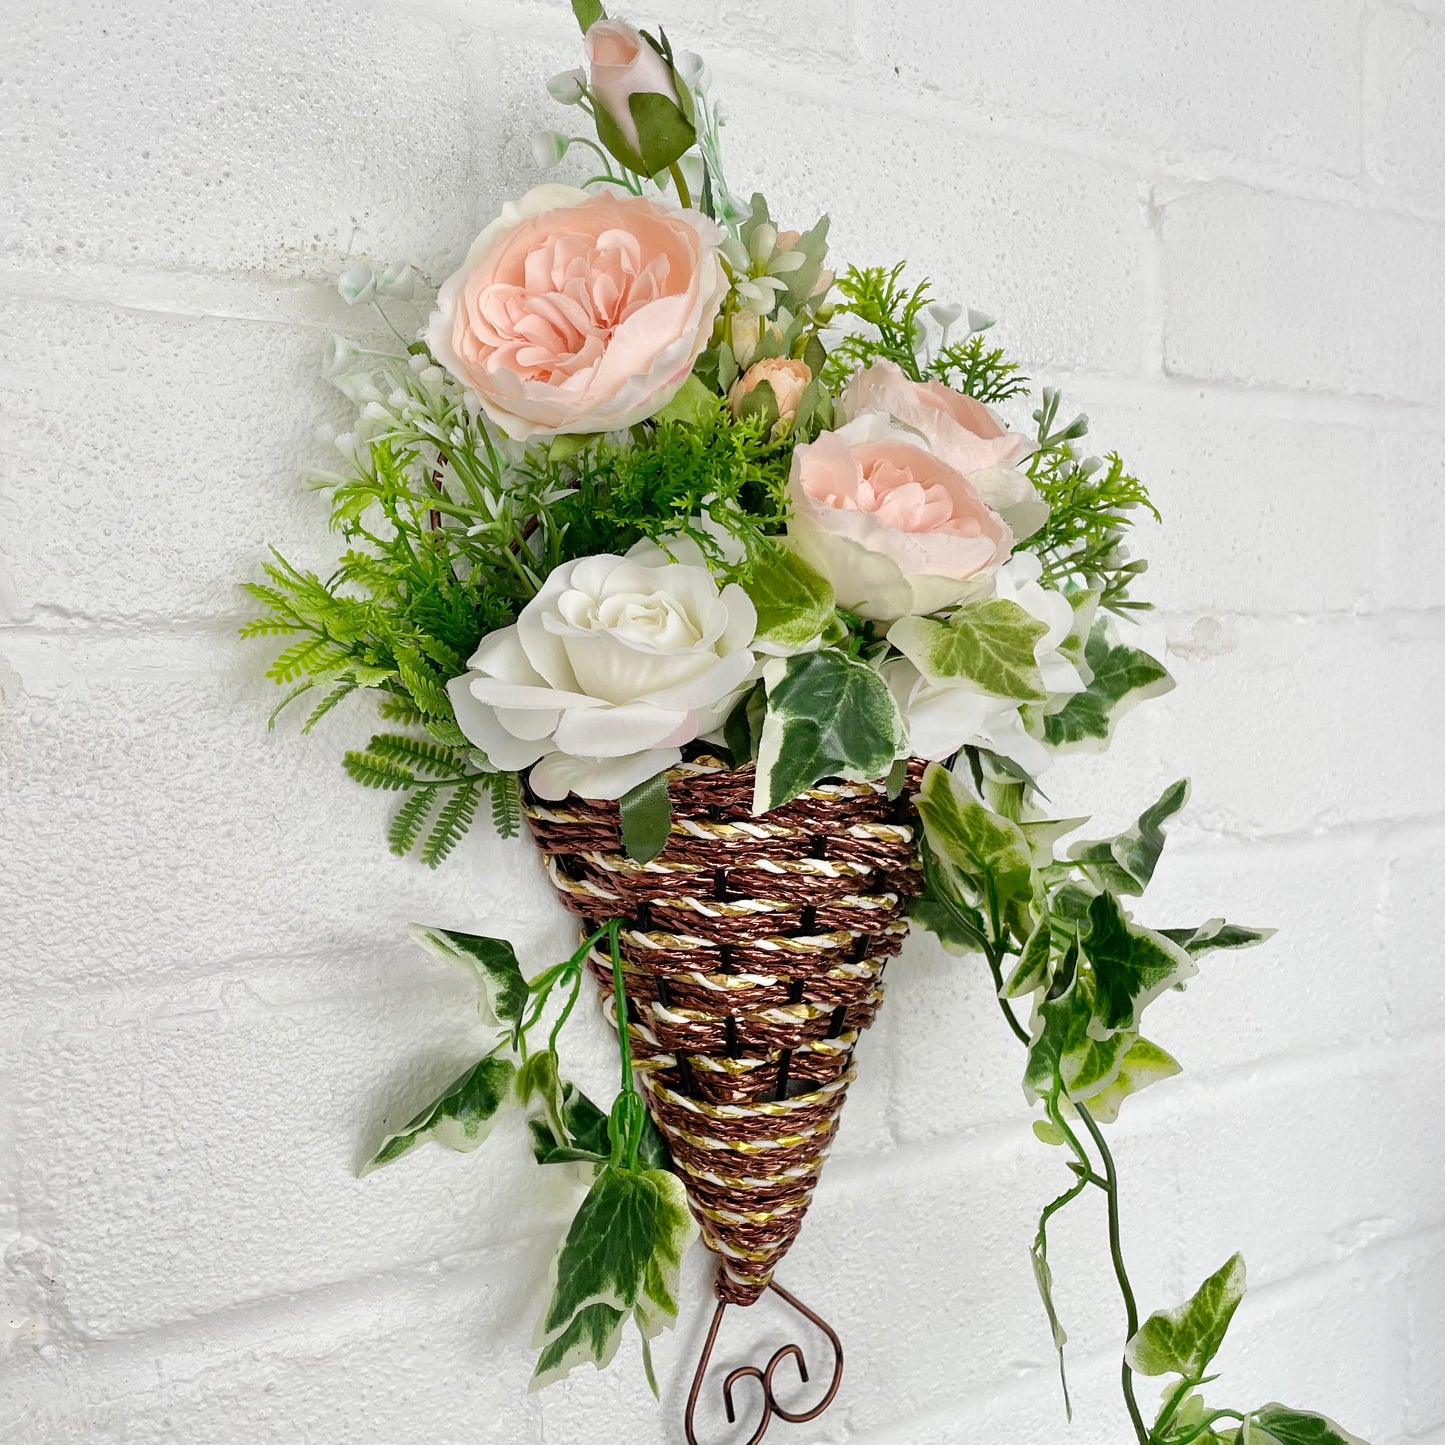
989	850
605	1256
691	404
501	989
588	13
1134	1068
646	813
590	1338
813	243
1126	863
461	1118
989	644
828	715
663	131
1123	677
1183	1341
1032	971
794	603
1132	966
1216	933
1276	1424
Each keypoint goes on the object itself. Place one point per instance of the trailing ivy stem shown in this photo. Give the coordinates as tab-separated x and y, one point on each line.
1126	1290
619	1006
995	967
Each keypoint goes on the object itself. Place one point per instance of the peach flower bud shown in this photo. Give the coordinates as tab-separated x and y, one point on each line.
623	65
788	379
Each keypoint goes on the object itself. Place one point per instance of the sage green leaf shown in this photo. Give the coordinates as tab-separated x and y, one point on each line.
692	404
813	244
1276	1424
1032	970
461	1118
615	142
663	130
646	813
1216	933
1126	862
828	715
989	850
588	13
1132	966
760	403
590	1338
604	1258
1140	1064
1183	1341
502	991
988	644
1122	678
794	603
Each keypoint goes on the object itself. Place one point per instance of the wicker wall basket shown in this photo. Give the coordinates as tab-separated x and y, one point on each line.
754	954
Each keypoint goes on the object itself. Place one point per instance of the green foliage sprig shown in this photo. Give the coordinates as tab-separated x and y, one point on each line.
1056	931
620	1258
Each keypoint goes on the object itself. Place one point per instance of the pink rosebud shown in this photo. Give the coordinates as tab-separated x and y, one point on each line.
788	379
623	65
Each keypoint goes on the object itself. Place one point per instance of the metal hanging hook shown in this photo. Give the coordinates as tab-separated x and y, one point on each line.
764	1376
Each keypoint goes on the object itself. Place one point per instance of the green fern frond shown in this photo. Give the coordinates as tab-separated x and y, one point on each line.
401	710
978	370
418	754
421	681
452	823
376	772
292	662
506	804
288	700
268	627
410	819
344	688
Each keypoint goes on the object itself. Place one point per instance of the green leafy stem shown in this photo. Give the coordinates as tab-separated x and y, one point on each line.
621	1255
1056	931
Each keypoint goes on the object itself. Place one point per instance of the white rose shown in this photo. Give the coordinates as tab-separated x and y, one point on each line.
944	716
607	672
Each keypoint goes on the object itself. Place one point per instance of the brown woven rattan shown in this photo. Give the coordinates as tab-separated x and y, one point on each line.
754	951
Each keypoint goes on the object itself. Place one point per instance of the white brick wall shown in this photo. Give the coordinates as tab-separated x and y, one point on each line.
1221	228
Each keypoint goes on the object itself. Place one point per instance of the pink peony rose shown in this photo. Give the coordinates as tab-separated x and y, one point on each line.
894	528
961	431
577	312
788	379
623	65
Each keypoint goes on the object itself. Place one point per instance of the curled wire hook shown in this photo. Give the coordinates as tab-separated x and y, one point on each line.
764	1376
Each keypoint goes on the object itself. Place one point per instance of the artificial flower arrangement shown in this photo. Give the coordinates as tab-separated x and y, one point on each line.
728	574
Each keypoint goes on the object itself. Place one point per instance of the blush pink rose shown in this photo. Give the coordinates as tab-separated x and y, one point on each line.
961	431
894	528
577	312
788	379
623	65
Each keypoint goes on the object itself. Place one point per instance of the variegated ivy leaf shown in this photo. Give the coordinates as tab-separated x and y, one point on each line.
988	850
1123	677
590	1338
1279	1425
1032	969
502	991
1044	1279
1216	933
1075	645
988	644
621	1257
1137	1065
1126	862
1043	833
587	1139
461	1118
794	603
1057	1017
1132	965
958	931
1183	1341
828	715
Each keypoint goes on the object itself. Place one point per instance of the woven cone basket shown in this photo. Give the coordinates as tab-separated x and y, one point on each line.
754	950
